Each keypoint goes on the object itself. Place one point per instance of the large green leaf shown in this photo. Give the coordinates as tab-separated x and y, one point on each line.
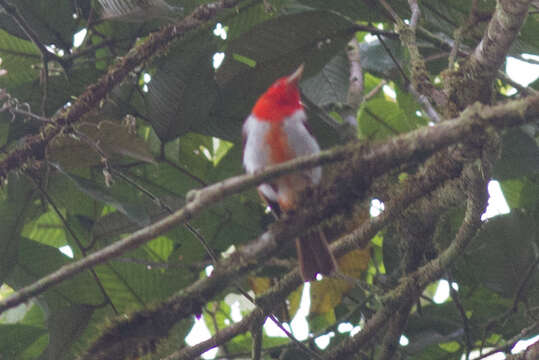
381	118
130	207
520	156
15	207
182	90
36	260
522	193
375	58
16	338
501	255
47	229
355	10
19	58
65	326
330	85
435	324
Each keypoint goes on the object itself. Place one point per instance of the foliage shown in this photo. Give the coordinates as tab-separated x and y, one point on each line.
174	124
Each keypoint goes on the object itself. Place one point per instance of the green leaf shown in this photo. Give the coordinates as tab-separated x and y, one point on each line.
65	326
183	89
436	324
137	10
380	118
522	193
520	156
15	338
375	58
134	210
501	254
48	229
36	260
330	85
19	58
109	226
15	207
356	10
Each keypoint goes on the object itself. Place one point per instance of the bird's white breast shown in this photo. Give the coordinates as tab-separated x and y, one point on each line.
257	151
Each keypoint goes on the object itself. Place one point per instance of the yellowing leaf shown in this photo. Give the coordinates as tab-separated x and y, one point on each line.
327	293
259	284
294	299
107	137
355	262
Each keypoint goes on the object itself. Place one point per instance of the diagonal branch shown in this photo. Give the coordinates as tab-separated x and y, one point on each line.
377	158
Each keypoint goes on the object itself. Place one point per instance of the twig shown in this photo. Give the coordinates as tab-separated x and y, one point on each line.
395	61
375	90
80	246
390	10
185	172
456	300
257	335
29	114
355	89
522	286
426	105
163	265
415	14
223	336
511	342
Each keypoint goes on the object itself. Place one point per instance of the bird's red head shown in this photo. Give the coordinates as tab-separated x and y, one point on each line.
281	99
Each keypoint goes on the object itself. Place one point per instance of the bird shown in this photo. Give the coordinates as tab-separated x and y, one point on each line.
276	131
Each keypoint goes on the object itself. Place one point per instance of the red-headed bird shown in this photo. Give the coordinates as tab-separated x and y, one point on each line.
277	131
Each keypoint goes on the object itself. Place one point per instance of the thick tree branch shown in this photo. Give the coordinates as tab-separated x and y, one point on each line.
473	80
420	81
156	44
377	158
502	31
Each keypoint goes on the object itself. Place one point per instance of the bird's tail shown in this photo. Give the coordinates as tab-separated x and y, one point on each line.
314	256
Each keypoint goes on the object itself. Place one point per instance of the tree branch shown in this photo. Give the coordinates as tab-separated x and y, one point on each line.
502	31
473	80
378	158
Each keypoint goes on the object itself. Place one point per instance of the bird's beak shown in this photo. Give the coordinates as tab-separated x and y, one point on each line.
296	75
